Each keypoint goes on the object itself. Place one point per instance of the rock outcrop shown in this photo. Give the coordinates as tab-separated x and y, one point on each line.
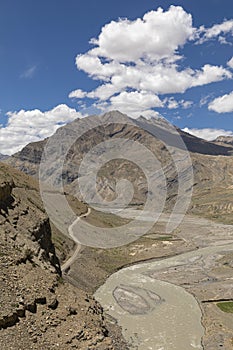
27	255
38	310
5	191
24	223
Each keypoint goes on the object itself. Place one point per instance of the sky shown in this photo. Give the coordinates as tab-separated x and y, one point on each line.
65	59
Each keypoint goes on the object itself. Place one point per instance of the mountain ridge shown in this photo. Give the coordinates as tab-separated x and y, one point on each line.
205	156
193	143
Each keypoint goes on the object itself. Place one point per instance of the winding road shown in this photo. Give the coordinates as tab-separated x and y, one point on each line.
66	266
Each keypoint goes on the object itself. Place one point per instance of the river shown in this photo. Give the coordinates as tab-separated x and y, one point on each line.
155	314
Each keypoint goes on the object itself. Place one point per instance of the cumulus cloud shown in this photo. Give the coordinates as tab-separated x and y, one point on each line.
77	94
216	31
135	103
144	99
141	58
144	77
157	35
209	74
28	126
208	133
222	104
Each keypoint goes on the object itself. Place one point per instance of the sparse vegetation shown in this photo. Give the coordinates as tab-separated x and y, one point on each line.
164	238
226	306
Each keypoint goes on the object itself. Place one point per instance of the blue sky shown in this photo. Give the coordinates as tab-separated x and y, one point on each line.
173	62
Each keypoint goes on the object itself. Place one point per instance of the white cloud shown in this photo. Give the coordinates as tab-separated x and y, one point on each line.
173	104
29	73
222	104
164	79
208	133
144	99
186	104
216	31
104	92
135	103
77	94
230	63
161	78
157	35
210	74
28	126
142	56
223	40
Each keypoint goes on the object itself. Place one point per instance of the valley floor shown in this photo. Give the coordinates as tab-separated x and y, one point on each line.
206	274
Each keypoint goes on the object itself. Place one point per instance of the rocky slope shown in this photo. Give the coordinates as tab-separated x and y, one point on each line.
24	223
3	157
38	310
213	191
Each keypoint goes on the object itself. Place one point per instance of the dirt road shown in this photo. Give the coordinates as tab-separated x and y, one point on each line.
65	267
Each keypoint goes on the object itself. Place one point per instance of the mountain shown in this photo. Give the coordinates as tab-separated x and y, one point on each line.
212	162
38	308
3	157
28	159
194	144
224	140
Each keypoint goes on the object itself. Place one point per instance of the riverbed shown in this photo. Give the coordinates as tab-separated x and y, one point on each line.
161	315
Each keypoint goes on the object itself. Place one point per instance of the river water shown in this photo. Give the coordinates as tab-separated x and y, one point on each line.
154	314
172	322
